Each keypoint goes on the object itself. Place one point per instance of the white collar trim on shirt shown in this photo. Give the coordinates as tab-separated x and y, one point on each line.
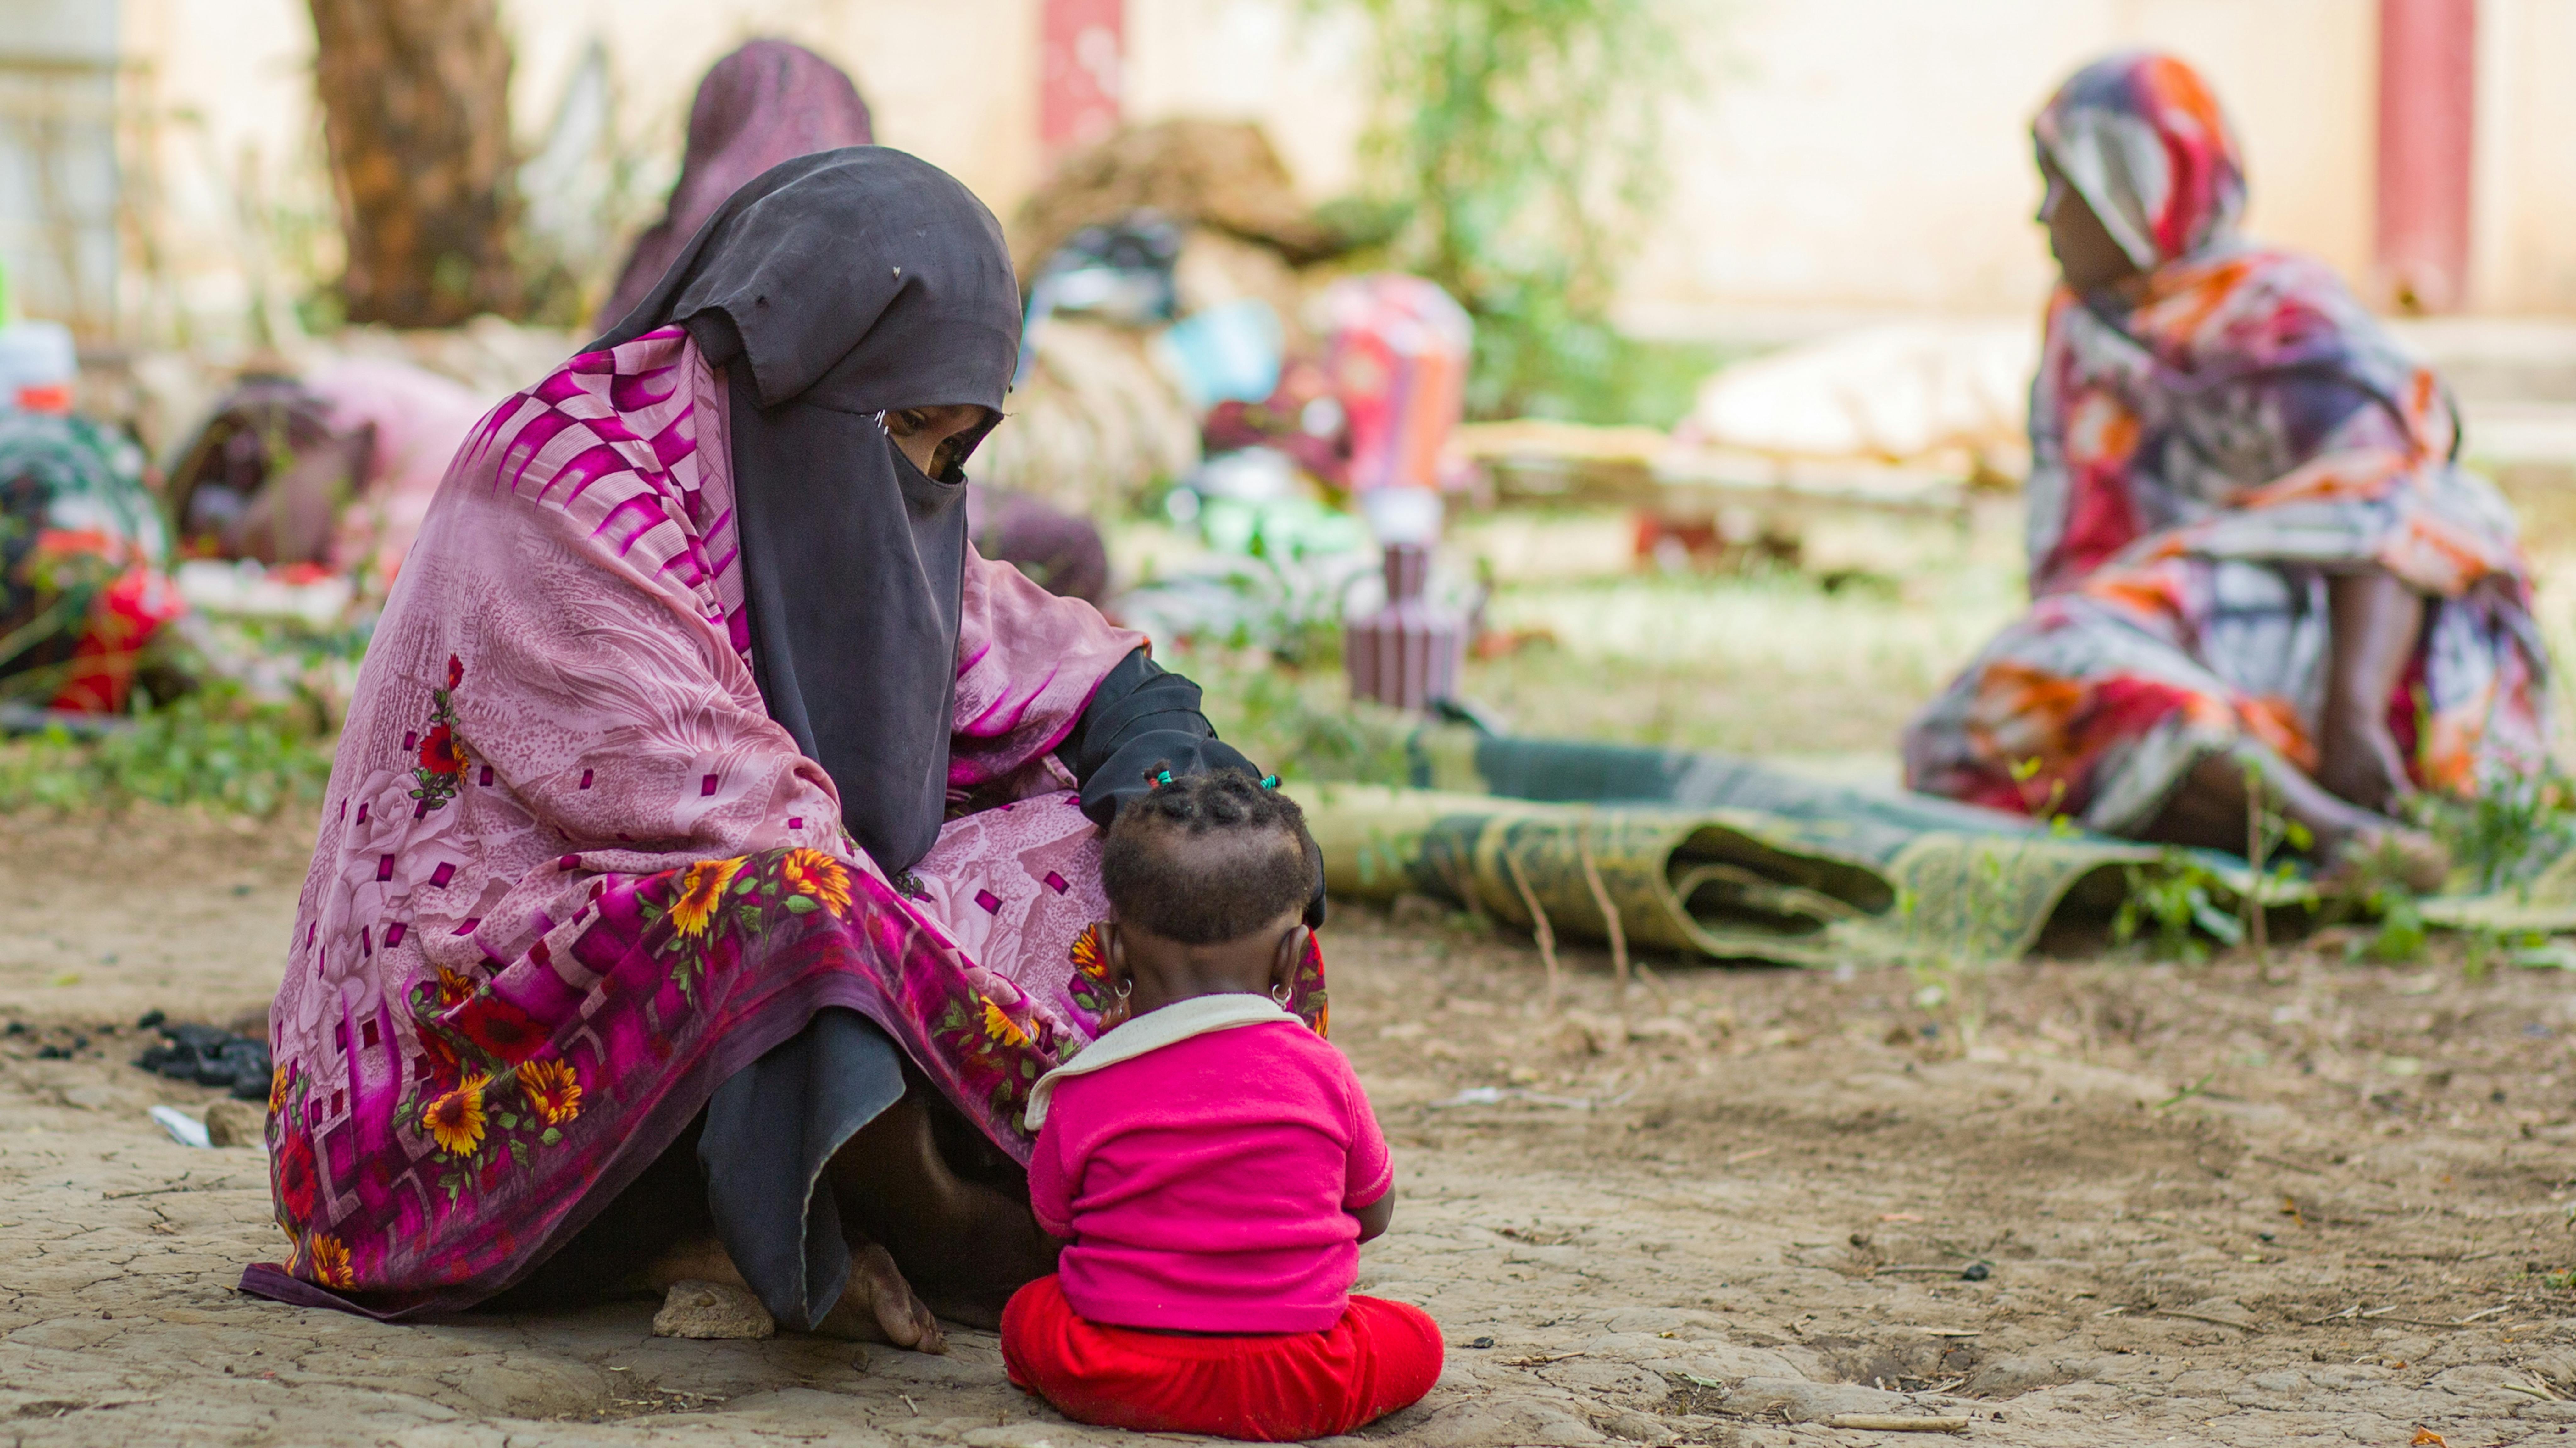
1152	1031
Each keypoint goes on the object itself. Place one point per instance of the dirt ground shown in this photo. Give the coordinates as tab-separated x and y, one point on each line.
2241	1203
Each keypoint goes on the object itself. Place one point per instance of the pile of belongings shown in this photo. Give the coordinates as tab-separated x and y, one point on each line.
82	546
207	1056
1183	349
1177	317
294	500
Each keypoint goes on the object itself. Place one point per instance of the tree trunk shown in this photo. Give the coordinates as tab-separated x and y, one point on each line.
415	108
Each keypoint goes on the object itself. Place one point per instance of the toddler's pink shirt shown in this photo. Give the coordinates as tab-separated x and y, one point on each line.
1208	1185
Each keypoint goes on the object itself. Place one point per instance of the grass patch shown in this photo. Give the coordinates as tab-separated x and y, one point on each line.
214	748
2516	827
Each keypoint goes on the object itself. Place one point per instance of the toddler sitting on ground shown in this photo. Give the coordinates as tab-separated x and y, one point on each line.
1211	1163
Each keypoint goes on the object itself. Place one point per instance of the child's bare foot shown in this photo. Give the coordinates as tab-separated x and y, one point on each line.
879	1306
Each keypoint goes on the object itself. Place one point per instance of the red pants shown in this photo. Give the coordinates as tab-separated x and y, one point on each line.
1274	1388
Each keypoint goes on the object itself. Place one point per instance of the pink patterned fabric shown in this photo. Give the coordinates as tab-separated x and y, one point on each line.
571	875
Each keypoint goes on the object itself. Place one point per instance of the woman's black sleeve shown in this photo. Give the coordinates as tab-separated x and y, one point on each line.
1142	721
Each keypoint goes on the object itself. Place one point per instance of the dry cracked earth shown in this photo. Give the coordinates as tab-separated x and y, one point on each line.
2251	1202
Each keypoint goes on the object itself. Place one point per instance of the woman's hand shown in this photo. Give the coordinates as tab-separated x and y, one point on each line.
2376	621
2358	761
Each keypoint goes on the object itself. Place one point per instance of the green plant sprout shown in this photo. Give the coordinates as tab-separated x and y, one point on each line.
2178	895
2517	824
2266	830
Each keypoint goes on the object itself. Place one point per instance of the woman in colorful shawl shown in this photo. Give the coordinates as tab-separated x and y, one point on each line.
707	867
2257	567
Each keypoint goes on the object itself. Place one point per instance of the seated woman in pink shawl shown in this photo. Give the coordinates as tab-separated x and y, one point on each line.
2253	553
707	869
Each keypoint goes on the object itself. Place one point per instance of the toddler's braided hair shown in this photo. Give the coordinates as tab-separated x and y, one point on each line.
1208	857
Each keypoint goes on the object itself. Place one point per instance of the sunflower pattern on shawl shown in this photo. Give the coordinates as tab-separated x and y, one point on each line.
2203	461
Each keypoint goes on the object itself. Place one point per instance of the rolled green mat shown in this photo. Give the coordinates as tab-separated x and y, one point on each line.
1721	883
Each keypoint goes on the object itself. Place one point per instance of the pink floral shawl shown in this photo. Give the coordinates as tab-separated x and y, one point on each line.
571	874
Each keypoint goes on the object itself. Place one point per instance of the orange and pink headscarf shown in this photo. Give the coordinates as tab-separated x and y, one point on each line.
2141	138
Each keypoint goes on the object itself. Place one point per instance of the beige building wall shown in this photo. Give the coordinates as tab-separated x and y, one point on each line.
1874	155
2523	228
1838	158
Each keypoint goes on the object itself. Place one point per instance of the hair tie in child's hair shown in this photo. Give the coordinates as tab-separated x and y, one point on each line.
1270	781
1160	780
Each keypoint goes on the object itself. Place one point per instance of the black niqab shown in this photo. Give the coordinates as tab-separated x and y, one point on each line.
832	288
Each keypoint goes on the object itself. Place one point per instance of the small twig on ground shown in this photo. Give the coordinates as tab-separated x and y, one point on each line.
2490	1312
2291	1165
2204	1317
1540	930
2188	1092
164	1191
1654	982
1886	1423
2420	1322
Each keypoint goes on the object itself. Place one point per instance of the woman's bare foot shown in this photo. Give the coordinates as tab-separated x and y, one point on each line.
879	1306
876	1306
966	1246
2392	852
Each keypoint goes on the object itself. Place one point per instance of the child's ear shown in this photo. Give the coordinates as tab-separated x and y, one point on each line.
1113	950
1285	961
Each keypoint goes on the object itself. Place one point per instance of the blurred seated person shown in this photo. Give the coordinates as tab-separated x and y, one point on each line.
1303	418
2259	576
334	469
1058	551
